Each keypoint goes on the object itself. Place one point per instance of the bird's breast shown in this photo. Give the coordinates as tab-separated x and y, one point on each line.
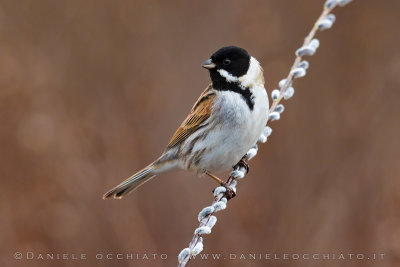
232	129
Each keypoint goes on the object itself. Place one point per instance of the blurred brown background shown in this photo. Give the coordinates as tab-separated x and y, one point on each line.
91	91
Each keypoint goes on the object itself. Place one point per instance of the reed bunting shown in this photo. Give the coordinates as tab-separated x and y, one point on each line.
224	123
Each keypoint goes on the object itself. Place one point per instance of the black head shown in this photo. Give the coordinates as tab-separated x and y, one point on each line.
233	59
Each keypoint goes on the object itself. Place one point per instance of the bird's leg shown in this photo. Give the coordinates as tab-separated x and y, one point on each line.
243	163
215	178
229	192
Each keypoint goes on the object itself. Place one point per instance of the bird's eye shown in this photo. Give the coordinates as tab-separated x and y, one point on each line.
226	61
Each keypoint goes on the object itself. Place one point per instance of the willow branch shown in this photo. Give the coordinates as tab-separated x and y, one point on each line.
299	68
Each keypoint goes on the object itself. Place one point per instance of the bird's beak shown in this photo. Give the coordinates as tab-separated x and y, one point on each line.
208	64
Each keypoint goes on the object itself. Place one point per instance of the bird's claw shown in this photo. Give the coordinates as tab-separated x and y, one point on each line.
243	163
229	193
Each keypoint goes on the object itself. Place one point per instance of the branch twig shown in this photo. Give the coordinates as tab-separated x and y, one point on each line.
206	217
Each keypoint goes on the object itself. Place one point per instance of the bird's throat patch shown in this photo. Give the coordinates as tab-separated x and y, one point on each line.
237	88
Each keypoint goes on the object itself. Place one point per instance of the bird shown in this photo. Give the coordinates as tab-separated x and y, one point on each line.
223	124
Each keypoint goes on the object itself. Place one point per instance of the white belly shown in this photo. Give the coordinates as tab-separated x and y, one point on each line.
234	130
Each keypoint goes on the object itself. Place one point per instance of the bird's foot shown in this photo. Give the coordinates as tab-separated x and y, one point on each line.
243	164
229	193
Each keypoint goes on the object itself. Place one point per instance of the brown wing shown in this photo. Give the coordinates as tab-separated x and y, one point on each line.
200	112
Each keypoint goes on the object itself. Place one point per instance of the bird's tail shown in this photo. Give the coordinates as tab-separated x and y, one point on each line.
131	183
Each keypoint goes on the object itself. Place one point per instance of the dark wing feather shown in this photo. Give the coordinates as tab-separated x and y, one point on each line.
200	112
